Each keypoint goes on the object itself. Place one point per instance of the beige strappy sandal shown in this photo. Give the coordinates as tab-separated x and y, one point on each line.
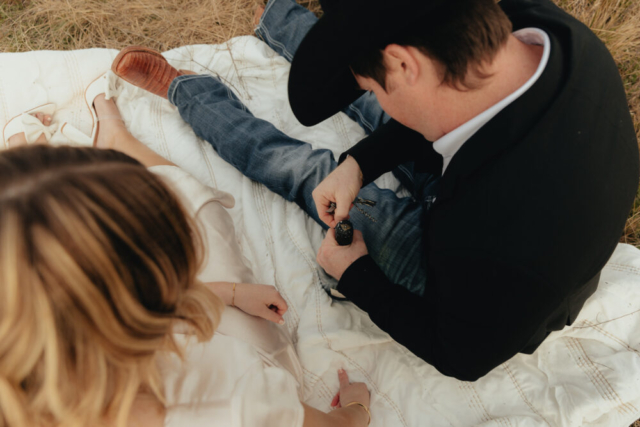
28	124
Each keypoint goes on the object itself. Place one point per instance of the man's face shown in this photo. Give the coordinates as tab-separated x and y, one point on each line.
412	95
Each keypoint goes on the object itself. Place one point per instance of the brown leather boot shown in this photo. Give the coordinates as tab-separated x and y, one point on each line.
145	68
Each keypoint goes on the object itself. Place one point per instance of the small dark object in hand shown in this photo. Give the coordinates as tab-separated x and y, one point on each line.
344	232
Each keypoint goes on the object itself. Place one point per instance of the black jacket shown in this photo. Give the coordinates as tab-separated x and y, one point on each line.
529	210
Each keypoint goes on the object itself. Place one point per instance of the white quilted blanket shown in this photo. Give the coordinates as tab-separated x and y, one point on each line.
585	375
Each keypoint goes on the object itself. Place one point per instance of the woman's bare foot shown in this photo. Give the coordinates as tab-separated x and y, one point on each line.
110	124
258	15
21	139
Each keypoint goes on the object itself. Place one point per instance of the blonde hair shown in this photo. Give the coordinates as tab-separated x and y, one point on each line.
97	262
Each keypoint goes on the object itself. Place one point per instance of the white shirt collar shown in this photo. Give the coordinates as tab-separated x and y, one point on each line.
450	143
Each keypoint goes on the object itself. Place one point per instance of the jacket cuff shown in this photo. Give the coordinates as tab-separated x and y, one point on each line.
360	277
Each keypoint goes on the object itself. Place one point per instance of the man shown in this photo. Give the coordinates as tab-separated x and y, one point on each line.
536	152
516	206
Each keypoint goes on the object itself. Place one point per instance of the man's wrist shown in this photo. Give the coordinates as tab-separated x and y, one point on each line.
358	167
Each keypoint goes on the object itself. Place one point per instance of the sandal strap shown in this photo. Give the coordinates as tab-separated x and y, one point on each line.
34	128
113	87
75	136
112	117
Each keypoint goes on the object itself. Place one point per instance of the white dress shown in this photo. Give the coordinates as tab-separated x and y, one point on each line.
248	375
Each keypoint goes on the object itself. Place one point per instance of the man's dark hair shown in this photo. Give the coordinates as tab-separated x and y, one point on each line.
463	35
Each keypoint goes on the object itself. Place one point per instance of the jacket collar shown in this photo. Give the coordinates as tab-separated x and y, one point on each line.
509	126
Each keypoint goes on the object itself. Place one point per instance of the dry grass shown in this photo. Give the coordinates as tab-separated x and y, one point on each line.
160	24
617	23
166	24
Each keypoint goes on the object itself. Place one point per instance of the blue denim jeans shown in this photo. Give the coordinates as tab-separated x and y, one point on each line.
283	25
293	169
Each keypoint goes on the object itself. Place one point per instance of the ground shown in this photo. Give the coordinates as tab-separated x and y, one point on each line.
165	24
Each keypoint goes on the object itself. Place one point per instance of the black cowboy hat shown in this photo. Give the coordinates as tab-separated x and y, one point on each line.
321	82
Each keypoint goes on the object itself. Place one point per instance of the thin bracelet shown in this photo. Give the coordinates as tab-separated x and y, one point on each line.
233	297
363	407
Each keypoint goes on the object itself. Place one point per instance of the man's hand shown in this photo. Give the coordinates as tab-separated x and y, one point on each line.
335	259
340	187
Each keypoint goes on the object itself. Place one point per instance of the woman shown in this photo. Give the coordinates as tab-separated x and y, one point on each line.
103	318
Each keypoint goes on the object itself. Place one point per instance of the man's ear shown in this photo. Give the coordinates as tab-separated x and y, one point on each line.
401	63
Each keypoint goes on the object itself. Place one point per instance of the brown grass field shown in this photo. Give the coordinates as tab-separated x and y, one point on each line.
27	25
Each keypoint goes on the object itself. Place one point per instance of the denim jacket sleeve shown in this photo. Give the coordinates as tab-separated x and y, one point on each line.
389	146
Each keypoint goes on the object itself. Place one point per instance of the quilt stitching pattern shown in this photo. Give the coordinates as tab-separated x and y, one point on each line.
476	403
323	390
341	129
267	226
78	90
609	335
156	119
600	382
202	146
507	369
623	268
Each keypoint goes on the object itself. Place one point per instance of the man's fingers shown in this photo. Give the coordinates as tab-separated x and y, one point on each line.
325	217
343	378
331	236
342	209
322	205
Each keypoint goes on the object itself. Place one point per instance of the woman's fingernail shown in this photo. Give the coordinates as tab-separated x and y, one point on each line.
281	322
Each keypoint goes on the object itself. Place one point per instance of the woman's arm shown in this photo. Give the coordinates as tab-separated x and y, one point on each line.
258	300
354	415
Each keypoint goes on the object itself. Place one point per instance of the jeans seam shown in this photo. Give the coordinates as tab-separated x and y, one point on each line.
361	116
406	173
259	27
173	88
276	43
266	34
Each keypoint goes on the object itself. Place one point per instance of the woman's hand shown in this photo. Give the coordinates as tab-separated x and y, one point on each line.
257	300
356	392
261	301
353	416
